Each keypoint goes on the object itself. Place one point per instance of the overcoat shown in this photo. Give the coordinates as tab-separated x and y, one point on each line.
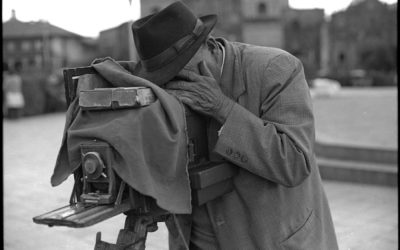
278	201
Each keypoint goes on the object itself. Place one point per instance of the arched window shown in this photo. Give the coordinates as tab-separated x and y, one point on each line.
18	65
10	46
5	66
262	8
31	62
342	57
295	25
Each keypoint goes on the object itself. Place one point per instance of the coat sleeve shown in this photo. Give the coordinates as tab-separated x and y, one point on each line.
278	145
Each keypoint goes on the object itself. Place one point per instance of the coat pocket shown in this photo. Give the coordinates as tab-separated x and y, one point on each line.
306	237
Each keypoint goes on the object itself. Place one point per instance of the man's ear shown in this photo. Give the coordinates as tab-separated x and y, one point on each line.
211	44
204	70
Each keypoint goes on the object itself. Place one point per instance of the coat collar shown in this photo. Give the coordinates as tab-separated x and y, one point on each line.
232	83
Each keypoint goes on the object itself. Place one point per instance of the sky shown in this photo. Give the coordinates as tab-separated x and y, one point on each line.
89	17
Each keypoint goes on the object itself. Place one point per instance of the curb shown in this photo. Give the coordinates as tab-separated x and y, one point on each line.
357	164
356	153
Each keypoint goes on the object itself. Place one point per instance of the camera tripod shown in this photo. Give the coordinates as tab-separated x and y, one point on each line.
134	234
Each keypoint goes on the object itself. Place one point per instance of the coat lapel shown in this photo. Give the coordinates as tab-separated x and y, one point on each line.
232	83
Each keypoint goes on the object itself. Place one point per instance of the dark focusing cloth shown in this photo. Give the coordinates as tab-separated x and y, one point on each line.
149	143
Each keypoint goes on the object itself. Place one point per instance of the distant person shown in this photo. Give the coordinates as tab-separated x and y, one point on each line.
14	99
5	72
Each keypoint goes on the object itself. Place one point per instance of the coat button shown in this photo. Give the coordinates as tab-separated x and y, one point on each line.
229	151
236	155
220	221
243	159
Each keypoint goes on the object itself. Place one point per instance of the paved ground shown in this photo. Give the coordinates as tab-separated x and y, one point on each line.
358	116
365	217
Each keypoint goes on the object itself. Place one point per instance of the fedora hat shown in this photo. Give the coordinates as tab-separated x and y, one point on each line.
167	40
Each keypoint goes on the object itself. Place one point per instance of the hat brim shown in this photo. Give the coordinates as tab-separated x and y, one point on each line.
170	70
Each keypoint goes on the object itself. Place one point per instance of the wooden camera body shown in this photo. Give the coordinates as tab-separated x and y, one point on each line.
99	193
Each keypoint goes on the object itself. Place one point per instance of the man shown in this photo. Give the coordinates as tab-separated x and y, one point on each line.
261	121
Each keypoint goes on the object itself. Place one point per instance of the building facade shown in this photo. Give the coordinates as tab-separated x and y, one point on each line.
118	43
364	36
229	13
263	22
255	22
41	46
305	38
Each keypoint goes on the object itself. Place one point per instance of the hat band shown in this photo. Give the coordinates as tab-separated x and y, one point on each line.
170	53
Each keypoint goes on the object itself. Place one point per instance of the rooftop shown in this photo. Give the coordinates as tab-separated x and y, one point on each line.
15	28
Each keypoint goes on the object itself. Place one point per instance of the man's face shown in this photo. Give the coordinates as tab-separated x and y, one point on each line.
203	54
192	65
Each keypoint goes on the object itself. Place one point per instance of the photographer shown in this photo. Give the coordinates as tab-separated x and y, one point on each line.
261	121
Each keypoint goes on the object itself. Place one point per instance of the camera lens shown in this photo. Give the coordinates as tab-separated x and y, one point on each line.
90	166
93	165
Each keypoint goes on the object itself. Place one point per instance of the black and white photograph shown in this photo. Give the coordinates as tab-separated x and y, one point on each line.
200	125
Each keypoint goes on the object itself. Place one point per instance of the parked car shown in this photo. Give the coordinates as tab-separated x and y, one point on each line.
360	78
324	87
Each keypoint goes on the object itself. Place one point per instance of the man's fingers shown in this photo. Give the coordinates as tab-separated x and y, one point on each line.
204	70
180	93
171	91
187	75
183	96
180	85
186	100
175	85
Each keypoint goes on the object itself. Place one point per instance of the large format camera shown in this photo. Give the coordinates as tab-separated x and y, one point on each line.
99	193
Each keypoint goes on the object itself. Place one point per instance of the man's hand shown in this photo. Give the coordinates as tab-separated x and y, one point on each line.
201	93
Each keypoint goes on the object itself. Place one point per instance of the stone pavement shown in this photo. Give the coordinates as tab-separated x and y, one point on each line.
358	117
365	216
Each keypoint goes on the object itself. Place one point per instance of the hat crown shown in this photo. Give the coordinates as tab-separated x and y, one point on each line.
167	40
155	33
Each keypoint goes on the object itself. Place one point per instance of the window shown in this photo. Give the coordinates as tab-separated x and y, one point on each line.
10	46
295	25
5	66
18	65
39	61
10	62
25	45
24	62
38	45
262	8
31	62
342	57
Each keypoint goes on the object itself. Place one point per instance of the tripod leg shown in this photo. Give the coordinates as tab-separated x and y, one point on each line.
102	245
133	236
